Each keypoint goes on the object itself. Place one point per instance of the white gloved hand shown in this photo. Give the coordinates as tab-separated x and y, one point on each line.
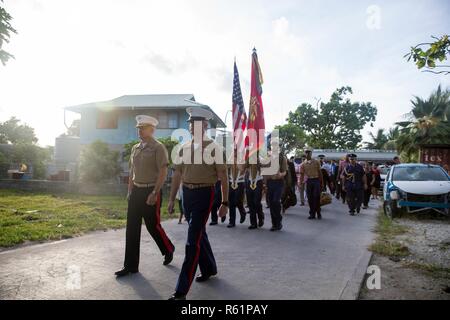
128	195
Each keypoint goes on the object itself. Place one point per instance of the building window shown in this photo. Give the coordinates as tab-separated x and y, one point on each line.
163	119
107	120
173	120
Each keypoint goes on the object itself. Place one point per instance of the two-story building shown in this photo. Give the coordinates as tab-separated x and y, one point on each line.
114	121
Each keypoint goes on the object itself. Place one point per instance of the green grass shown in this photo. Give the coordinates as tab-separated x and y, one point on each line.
431	269
28	216
385	244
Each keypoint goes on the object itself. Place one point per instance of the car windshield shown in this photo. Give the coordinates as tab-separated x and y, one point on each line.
419	174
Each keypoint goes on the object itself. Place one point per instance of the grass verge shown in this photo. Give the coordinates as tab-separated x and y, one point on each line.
29	216
385	244
430	269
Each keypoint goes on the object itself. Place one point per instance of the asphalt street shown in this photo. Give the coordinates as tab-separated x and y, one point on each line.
308	259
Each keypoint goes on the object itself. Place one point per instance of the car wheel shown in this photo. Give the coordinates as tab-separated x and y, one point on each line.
390	209
387	210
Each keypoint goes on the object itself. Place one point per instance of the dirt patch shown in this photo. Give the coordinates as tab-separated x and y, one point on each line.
424	272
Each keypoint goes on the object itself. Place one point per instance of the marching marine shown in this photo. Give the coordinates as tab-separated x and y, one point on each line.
198	178
314	183
236	190
253	189
148	170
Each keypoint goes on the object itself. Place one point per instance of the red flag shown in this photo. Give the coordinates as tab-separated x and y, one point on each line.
256	110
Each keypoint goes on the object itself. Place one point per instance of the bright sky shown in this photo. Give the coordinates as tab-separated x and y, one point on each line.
69	52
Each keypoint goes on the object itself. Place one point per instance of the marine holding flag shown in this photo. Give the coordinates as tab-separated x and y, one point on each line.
253	178
275	180
237	168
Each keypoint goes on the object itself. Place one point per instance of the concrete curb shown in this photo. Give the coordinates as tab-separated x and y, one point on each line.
353	286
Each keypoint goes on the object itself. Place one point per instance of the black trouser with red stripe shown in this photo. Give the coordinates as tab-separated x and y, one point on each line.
138	209
198	203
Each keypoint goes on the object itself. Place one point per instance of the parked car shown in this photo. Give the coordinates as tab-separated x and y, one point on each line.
383	174
416	187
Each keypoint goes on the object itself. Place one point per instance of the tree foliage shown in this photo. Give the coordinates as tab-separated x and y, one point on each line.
427	123
169	144
335	124
4	165
427	55
379	140
384	140
5	32
33	156
24	149
98	163
11	131
292	138
392	137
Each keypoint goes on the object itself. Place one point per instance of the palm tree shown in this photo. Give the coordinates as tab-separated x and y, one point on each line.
392	136
427	123
378	140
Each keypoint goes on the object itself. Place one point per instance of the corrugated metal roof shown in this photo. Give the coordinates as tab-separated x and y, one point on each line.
139	101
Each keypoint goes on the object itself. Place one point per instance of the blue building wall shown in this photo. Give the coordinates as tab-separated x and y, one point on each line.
126	127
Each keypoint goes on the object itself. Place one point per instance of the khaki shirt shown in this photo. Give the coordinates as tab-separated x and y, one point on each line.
283	167
201	173
311	168
147	161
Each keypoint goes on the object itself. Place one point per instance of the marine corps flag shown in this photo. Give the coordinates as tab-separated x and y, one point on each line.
255	137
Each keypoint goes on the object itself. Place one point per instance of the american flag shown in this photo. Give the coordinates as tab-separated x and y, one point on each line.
239	115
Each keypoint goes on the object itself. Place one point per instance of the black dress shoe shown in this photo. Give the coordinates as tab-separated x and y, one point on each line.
319	216
276	228
311	217
253	227
231	225
261	223
168	257
213	223
222	219
242	219
125	271
203	278
177	296
358	210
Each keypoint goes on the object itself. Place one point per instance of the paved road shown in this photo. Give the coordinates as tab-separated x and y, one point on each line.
308	259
